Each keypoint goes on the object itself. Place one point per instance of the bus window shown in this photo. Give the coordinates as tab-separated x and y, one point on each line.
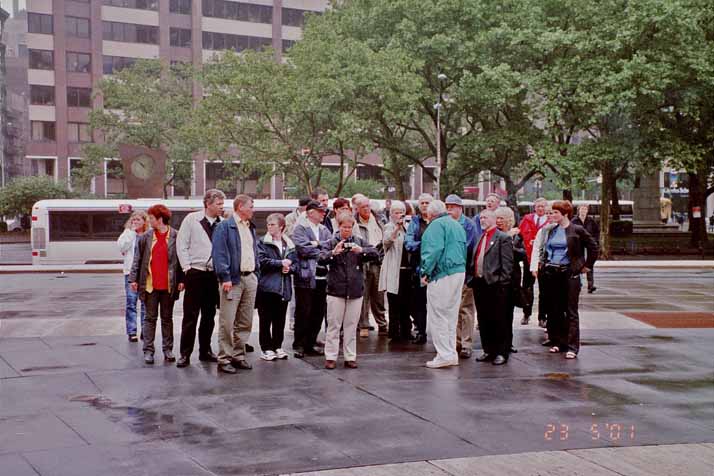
107	226
69	226
177	218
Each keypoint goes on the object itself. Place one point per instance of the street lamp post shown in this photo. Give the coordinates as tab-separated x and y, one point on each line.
437	175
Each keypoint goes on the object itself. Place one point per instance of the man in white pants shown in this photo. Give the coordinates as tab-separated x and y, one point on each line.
443	268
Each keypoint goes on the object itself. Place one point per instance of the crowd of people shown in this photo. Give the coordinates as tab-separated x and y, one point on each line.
442	273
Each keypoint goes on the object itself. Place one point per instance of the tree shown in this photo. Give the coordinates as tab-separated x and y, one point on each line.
18	197
148	104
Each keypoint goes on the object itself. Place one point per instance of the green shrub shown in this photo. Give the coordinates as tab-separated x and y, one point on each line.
17	197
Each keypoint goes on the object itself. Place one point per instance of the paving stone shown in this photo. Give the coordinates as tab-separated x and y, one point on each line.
15	465
115	460
662	460
71	360
45	393
6	371
548	463
411	469
36	432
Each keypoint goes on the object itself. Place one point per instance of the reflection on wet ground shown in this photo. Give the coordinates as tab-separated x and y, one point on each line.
628	387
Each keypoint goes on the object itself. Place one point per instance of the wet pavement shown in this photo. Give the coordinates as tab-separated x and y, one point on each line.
87	405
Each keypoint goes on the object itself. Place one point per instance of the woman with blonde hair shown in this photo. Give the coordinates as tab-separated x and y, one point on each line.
134	227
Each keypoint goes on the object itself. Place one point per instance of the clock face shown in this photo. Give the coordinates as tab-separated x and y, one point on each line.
142	167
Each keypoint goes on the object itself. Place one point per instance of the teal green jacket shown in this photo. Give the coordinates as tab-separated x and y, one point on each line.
443	248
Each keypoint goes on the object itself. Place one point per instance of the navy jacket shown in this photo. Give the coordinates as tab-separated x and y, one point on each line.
345	278
272	279
227	250
308	247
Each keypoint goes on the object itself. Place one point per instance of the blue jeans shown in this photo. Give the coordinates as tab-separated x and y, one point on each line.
132	299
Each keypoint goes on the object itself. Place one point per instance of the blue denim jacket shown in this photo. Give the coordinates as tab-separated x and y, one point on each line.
227	250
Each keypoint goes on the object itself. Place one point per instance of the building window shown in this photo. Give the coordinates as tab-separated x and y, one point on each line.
237	11
131	33
79	97
78	27
293	17
180	6
79	62
114	64
41	59
223	41
138	4
39	23
180	37
78	132
43	131
42	95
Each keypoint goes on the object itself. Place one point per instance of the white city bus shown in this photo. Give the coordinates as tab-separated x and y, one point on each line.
85	231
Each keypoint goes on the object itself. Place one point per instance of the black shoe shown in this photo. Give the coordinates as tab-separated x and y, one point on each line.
513	350
227	369
314	351
499	360
208	357
420	339
183	361
465	354
148	358
484	357
592	290
132	338
241	364
547	343
169	356
249	348
298	353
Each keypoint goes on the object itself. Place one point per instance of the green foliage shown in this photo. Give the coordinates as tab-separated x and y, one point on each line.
148	104
332	183
18	197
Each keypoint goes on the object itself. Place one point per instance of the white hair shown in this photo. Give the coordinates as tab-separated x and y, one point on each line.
398	205
426	196
436	208
375	206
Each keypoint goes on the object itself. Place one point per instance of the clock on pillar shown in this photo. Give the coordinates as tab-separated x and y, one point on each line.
144	171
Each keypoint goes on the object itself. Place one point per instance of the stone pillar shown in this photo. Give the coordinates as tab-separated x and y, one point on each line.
646	208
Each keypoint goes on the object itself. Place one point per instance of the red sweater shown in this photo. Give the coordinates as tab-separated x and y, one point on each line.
160	262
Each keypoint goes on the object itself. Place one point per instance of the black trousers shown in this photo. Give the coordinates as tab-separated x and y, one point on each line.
201	296
561	290
159	301
528	283
542	299
400	323
492	311
271	311
310	309
418	307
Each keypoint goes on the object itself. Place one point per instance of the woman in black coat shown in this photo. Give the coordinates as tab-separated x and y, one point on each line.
345	257
276	255
505	219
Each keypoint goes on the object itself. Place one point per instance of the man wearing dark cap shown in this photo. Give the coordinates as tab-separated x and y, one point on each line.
467	309
310	237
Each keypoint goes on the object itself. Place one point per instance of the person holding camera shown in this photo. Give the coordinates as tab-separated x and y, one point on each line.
345	256
396	274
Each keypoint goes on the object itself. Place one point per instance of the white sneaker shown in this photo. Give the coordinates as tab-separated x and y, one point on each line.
438	363
268	355
281	354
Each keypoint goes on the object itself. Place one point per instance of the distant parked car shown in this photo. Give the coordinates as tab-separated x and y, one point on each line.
18	223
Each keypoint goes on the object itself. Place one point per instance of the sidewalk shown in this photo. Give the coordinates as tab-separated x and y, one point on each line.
663	460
